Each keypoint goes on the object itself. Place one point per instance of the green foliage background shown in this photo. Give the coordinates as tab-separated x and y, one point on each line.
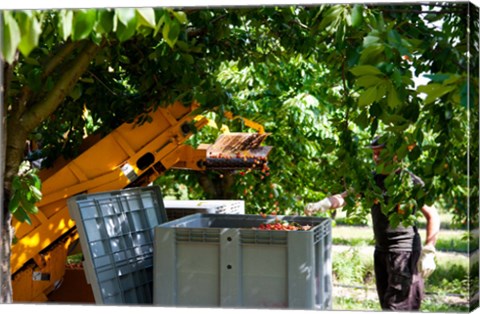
322	79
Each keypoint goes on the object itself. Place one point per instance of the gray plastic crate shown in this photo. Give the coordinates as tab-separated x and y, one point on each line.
116	234
219	260
180	208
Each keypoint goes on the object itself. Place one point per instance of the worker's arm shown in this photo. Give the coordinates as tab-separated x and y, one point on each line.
426	263
433	224
330	202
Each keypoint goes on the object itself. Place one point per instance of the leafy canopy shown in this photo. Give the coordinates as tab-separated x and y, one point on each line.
322	79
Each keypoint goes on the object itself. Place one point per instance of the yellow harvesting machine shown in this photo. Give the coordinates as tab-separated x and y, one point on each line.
131	155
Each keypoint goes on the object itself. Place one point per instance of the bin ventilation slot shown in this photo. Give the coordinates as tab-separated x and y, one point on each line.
187	235
263	237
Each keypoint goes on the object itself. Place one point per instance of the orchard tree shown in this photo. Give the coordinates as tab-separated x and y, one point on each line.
49	62
342	75
322	79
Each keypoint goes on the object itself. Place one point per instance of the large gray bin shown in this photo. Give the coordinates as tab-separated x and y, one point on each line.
116	235
219	260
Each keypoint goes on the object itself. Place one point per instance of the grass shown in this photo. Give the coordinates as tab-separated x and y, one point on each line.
348	303
445	218
448	240
75	258
437	304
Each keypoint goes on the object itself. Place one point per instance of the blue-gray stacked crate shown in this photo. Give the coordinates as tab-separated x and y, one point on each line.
211	260
116	234
180	208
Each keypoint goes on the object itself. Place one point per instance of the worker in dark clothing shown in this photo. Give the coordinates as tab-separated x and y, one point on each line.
401	263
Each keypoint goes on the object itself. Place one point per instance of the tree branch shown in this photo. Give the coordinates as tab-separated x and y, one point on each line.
41	110
26	92
102	83
25	95
64	52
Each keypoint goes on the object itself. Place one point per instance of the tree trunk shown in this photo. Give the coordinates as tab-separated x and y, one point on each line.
217	186
5	217
23	119
6	295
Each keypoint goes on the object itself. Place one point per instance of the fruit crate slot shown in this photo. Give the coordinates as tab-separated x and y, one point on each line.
197	235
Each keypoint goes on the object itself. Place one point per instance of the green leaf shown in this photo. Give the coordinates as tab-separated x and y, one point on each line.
419	136
357	15
381	90
394	38
34	179
427	89
83	23
170	32
181	17
370	40
104	21
27	197
340	36
368	80
76	92
27	204
125	15
397	77
437	77
160	23
14	203
368	96
11	37
31	29
37	194
362	120
146	17
128	23
16	183
96	38
33	209
392	97
402	151
22	216
454	78
65	23
361	70
188	58
330	17
372	53
434	91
